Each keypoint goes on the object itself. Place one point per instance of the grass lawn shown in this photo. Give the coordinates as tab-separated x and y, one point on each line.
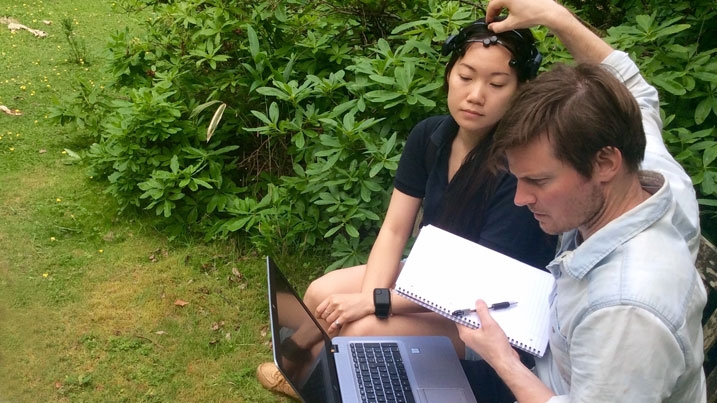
96	306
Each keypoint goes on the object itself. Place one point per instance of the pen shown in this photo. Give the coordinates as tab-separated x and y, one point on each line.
494	307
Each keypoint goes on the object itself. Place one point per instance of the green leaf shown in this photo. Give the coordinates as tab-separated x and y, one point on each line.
381	96
351	230
375	169
253	41
235	224
671	30
273	92
274	112
349	121
669	84
332	231
299	140
706	76
202	183
644	22
262	117
404	76
383	79
710	155
708	202
703	109
174	164
199	109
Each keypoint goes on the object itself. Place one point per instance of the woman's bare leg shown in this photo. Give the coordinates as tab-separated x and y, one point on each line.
412	324
349	280
342	281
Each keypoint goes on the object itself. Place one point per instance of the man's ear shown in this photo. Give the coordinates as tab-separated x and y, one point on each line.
607	164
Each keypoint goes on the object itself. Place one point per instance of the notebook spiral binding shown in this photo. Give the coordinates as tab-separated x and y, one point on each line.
462	320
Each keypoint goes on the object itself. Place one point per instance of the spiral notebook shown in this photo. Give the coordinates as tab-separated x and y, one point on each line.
445	273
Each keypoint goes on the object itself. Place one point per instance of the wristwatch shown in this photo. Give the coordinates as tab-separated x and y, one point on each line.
382	302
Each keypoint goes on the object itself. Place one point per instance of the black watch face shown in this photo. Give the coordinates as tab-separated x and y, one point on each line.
382	302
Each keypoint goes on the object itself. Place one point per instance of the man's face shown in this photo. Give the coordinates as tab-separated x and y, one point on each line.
560	198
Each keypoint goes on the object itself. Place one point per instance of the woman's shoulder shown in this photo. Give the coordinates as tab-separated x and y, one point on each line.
437	128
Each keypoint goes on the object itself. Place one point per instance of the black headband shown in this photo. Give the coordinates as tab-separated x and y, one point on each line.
526	57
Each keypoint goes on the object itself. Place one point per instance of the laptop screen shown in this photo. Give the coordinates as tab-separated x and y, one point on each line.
302	350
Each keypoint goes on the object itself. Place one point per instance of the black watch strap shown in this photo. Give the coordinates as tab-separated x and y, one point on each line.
382	302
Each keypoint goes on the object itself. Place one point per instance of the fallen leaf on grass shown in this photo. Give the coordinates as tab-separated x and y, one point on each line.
264	330
181	303
9	111
160	332
238	278
154	257
15	26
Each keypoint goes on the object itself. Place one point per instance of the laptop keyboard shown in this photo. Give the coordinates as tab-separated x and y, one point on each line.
380	372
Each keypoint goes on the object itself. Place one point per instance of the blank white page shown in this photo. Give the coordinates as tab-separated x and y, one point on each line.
445	272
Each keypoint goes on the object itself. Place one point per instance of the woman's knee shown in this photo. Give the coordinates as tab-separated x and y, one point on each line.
335	282
363	327
317	291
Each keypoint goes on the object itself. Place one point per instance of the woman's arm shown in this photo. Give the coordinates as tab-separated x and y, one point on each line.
382	268
384	260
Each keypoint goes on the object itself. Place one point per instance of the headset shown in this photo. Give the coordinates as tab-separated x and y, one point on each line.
526	58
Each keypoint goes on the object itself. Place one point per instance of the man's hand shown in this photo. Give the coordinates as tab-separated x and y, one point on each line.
583	44
489	341
340	309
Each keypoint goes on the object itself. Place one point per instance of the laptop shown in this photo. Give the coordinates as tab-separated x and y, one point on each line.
358	369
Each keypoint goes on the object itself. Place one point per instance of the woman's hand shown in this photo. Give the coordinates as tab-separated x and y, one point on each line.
340	309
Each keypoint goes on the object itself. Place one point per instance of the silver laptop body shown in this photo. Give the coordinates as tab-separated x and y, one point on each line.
322	369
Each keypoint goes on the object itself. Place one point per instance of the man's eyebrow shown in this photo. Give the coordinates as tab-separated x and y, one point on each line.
534	176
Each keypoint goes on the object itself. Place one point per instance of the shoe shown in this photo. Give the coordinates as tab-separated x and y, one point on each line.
270	378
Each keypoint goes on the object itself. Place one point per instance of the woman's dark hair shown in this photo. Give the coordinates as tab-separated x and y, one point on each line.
520	43
476	181
469	192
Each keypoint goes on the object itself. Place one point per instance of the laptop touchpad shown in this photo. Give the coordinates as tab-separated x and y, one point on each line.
443	395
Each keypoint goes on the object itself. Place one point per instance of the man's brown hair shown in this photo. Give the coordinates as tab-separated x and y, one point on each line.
582	109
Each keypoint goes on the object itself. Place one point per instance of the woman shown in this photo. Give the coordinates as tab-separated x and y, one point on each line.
446	168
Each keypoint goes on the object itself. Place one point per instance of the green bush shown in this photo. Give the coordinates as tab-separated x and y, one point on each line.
319	98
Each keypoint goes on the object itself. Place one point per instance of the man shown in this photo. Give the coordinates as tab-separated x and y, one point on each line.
627	304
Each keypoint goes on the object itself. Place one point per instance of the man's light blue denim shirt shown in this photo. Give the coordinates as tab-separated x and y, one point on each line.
627	305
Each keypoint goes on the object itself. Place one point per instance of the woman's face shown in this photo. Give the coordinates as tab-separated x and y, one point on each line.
480	87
